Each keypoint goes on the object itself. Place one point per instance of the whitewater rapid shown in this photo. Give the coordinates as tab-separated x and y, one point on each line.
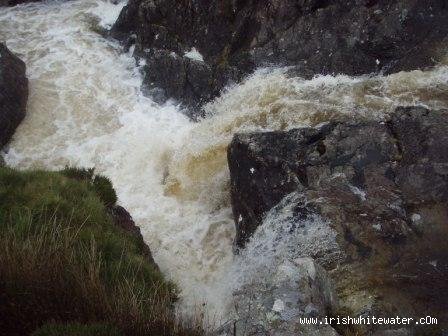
86	109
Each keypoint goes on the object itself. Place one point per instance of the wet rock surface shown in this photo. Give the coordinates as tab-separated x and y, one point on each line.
313	37
405	156
381	186
297	288
123	219
13	93
266	167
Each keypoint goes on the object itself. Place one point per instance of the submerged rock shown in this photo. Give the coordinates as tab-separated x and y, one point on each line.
381	186
13	93
232	38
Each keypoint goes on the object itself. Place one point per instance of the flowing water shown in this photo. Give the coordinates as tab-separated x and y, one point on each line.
85	109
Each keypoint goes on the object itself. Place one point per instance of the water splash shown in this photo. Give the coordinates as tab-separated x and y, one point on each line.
86	109
284	235
271	100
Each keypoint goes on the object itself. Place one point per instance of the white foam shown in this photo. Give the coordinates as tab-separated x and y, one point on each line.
107	12
282	236
194	55
359	192
85	108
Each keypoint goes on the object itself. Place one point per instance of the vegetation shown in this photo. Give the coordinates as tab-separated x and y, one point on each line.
77	329
101	185
64	261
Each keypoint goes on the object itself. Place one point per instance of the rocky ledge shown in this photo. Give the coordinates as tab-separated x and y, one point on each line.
123	219
194	48
13	93
367	201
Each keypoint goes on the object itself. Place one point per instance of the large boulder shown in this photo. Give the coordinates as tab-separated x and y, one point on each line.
296	289
265	167
13	93
380	186
407	154
231	38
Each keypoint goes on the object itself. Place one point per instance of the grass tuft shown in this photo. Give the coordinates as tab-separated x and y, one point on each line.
80	174
98	183
77	329
64	261
103	188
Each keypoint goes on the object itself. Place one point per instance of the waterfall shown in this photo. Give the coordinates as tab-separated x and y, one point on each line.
86	109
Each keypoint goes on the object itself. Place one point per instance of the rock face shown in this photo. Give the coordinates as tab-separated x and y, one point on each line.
13	93
124	220
297	288
313	36
380	186
408	155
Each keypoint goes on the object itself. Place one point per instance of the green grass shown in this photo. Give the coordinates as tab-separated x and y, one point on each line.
101	185
62	259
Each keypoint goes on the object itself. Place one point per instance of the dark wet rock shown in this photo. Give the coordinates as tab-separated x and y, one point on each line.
313	37
423	143
181	78
408	155
266	167
380	186
14	2
123	219
394	332
13	93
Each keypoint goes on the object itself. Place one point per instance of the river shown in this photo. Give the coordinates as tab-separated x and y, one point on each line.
86	109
